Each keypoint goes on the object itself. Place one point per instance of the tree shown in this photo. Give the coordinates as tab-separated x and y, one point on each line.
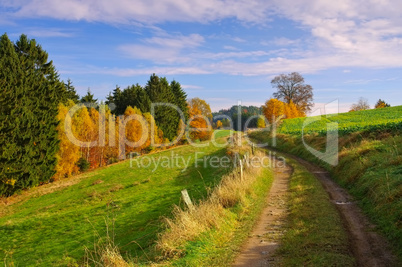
180	98
218	124
89	98
291	87
166	118
291	111
200	119
273	109
362	104
381	104
261	122
70	92
68	154
30	94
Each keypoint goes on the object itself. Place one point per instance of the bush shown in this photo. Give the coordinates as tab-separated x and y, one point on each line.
83	164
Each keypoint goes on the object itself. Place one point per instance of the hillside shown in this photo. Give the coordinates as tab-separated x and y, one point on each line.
51	225
365	120
370	161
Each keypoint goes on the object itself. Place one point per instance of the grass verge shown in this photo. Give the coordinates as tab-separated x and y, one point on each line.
313	233
211	233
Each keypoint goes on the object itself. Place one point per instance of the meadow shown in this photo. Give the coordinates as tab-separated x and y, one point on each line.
366	120
51	225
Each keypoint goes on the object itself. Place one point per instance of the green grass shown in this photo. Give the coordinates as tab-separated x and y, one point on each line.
374	119
314	235
222	133
369	168
53	229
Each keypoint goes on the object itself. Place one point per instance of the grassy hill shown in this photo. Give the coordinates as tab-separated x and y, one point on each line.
365	120
51	225
370	160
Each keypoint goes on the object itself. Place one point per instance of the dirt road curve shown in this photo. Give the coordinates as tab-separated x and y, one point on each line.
369	248
266	233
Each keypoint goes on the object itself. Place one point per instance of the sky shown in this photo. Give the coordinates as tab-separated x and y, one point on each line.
223	51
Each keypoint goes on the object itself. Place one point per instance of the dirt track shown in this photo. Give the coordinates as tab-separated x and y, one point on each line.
368	247
263	241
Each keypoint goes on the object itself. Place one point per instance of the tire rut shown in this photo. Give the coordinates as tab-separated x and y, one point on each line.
369	248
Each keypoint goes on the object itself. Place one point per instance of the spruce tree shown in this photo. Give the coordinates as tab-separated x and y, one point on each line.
180	98
89	98
30	94
166	118
71	93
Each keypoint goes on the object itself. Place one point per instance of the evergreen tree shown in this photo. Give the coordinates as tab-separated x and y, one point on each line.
70	92
30	94
181	98
89	98
159	91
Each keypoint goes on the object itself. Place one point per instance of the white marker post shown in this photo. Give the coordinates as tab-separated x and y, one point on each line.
187	199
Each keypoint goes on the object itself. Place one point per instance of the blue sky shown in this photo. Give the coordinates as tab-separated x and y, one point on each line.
220	50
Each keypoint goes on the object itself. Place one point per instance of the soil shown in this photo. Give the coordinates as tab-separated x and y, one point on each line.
368	247
264	239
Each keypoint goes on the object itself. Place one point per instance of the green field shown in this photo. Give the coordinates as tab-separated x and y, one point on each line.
374	119
52	228
370	161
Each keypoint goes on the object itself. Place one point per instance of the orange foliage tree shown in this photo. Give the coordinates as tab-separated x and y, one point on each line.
273	109
68	153
200	119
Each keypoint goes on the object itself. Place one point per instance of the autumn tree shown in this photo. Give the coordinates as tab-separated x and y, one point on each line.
218	124
362	104
291	111
381	104
291	87
273	109
200	119
69	153
261	122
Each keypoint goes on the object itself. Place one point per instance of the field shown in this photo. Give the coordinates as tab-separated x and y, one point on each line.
370	160
51	225
366	120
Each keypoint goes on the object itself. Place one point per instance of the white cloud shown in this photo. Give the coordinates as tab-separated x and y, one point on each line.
145	11
163	49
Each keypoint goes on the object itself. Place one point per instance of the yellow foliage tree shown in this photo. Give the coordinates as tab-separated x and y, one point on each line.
292	111
261	122
134	129
218	124
69	153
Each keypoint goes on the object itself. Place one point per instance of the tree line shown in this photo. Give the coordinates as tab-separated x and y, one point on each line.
35	104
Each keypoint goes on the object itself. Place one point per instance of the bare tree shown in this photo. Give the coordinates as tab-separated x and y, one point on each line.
362	104
291	87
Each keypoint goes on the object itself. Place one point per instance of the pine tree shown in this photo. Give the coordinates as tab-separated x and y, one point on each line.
159	91
180	98
71	93
31	92
89	98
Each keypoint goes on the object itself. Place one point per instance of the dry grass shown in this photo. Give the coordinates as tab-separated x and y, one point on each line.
210	213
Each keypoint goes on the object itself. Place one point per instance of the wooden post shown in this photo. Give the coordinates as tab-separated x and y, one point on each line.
241	169
187	199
